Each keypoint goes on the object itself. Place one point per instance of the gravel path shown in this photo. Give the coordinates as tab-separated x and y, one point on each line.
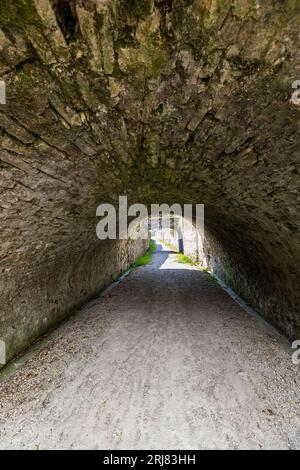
166	359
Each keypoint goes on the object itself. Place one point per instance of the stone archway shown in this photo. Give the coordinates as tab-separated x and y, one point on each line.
165	101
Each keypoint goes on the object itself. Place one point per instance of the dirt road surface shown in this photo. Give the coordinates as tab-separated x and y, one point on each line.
166	359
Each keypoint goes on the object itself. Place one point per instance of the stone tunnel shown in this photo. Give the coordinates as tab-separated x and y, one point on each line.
165	101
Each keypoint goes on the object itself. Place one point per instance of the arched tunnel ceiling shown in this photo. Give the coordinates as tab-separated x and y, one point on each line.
165	101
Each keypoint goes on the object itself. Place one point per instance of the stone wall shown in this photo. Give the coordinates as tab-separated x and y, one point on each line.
262	278
185	101
36	297
265	279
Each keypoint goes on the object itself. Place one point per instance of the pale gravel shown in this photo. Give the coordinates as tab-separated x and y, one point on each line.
164	360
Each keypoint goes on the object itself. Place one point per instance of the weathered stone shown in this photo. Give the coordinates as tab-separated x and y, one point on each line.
183	101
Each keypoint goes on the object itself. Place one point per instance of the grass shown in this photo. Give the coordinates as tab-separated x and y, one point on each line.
181	258
145	258
168	245
211	278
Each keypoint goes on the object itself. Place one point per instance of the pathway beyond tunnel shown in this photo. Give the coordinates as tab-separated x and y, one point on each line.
165	359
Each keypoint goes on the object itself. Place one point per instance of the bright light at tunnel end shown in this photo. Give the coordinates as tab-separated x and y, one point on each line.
136	222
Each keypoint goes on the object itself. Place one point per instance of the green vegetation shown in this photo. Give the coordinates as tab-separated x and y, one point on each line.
211	278
18	13
181	258
168	245
146	258
24	75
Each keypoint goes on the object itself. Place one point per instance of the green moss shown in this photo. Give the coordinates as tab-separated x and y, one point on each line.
204	270
135	8
18	13
221	6
168	245
146	258
146	62
169	173
157	60
25	76
211	278
181	258
68	89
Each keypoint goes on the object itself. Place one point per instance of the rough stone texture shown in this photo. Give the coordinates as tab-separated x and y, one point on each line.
43	293
166	101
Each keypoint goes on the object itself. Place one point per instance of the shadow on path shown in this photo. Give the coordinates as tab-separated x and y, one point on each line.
165	359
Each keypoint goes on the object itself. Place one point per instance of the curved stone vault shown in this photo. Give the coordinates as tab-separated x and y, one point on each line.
183	101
